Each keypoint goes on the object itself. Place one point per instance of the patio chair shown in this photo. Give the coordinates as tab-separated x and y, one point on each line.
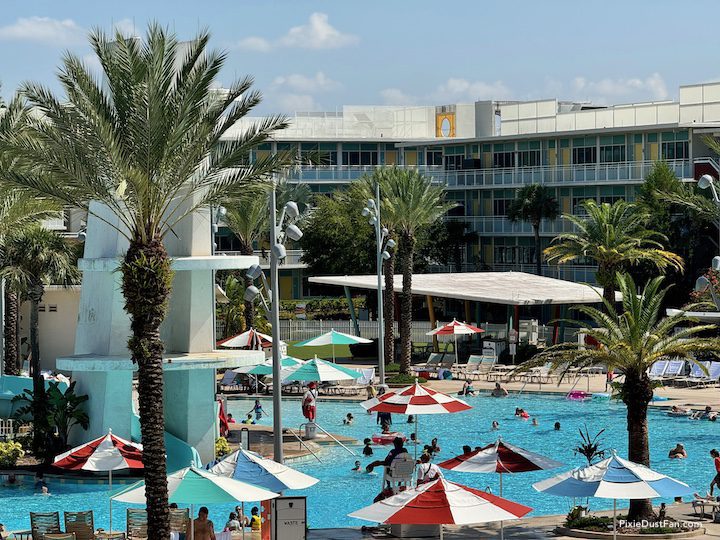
484	368
136	524
82	524
60	536
472	364
400	472
179	520
657	370
446	364
43	523
675	369
540	375
699	378
431	363
6	429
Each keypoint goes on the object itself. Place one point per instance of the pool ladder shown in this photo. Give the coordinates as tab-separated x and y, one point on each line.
302	444
318	426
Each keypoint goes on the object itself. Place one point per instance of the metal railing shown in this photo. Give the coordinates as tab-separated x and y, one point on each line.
318	426
303	445
332	174
292	258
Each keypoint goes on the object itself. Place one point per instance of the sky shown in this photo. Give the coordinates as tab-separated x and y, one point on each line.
320	55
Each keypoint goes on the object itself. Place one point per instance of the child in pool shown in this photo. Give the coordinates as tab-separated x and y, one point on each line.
367	450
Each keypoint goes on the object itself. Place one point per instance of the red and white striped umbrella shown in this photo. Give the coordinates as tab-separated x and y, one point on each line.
106	454
415	399
455	328
499	457
442	503
249	338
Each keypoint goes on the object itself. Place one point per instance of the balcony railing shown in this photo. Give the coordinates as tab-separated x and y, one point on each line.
630	171
292	258
333	174
503	226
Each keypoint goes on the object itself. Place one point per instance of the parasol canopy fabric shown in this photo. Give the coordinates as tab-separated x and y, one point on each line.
265	473
442	503
499	457
415	399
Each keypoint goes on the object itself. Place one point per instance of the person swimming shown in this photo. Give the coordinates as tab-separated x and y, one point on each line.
356	468
367	450
495	425
348	420
557	426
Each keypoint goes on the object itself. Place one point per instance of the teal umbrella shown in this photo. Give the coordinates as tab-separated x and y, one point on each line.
196	486
319	371
333	337
266	367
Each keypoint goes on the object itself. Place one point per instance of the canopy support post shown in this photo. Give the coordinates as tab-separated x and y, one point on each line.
433	320
351	309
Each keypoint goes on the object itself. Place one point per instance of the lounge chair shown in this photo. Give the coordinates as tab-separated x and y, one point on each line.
136	524
179	520
43	523
657	370
60	536
485	367
675	369
698	377
471	365
82	524
540	375
431	364
446	364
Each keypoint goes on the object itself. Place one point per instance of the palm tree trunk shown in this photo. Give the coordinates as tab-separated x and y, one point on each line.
407	246
538	251
41	425
249	306
637	393
146	284
389	310
12	346
606	278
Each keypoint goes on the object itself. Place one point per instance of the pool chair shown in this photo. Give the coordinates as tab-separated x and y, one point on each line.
43	523
432	363
6	429
399	474
136	525
82	524
60	536
700	378
179	520
675	369
480	370
699	506
473	363
657	370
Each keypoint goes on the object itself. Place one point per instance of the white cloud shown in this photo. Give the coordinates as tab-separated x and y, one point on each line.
290	103
257	44
126	27
609	90
302	83
44	30
395	96
317	33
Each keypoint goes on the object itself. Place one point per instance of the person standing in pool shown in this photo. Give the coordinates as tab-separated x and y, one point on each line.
308	402
716	461
258	410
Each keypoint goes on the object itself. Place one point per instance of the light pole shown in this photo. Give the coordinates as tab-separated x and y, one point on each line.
277	253
707	181
372	210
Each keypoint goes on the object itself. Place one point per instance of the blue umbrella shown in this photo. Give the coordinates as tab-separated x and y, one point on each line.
613	478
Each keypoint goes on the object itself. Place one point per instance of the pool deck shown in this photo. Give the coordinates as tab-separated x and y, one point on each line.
535	527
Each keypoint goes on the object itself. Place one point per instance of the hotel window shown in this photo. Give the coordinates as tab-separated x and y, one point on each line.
501	200
433	156
611	194
580	195
612	149
504	155
675	145
360	154
584	151
324	154
529	154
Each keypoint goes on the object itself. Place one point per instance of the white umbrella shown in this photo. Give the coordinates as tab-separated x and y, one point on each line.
261	472
249	338
613	478
333	337
196	486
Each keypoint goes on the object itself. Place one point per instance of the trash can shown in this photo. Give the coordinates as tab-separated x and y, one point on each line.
310	430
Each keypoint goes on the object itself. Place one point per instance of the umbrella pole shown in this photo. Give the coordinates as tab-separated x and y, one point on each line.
614	519
502	524
416	432
192	522
242	523
110	496
333	350
456	351
441	532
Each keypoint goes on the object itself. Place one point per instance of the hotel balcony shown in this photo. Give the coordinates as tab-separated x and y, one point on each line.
291	261
501	226
340	174
569	175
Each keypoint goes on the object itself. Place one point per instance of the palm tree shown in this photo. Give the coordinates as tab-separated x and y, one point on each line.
248	218
532	204
630	341
414	203
614	236
150	140
33	259
18	210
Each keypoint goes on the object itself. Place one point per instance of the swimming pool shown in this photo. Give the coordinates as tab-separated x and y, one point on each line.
341	491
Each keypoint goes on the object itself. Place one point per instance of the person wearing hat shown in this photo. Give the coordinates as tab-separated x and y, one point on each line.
308	402
678	452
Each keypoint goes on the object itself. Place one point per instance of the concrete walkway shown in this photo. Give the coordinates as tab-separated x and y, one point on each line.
536	527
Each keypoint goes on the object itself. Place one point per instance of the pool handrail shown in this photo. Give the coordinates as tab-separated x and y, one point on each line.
302	443
318	426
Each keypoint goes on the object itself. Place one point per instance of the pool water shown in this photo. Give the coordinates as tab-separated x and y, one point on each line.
340	491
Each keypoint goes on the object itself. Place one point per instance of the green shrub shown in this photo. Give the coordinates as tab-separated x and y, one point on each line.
222	447
392	367
10	452
402	378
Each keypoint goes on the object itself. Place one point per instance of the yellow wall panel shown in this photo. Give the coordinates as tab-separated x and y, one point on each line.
445	125
286	287
565	156
654	154
487	160
410	158
552	157
390	158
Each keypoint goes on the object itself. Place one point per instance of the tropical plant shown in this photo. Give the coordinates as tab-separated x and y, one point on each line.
248	217
150	140
222	447
589	446
629	342
445	242
232	313
414	203
532	204
615	237
31	260
64	411
10	453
